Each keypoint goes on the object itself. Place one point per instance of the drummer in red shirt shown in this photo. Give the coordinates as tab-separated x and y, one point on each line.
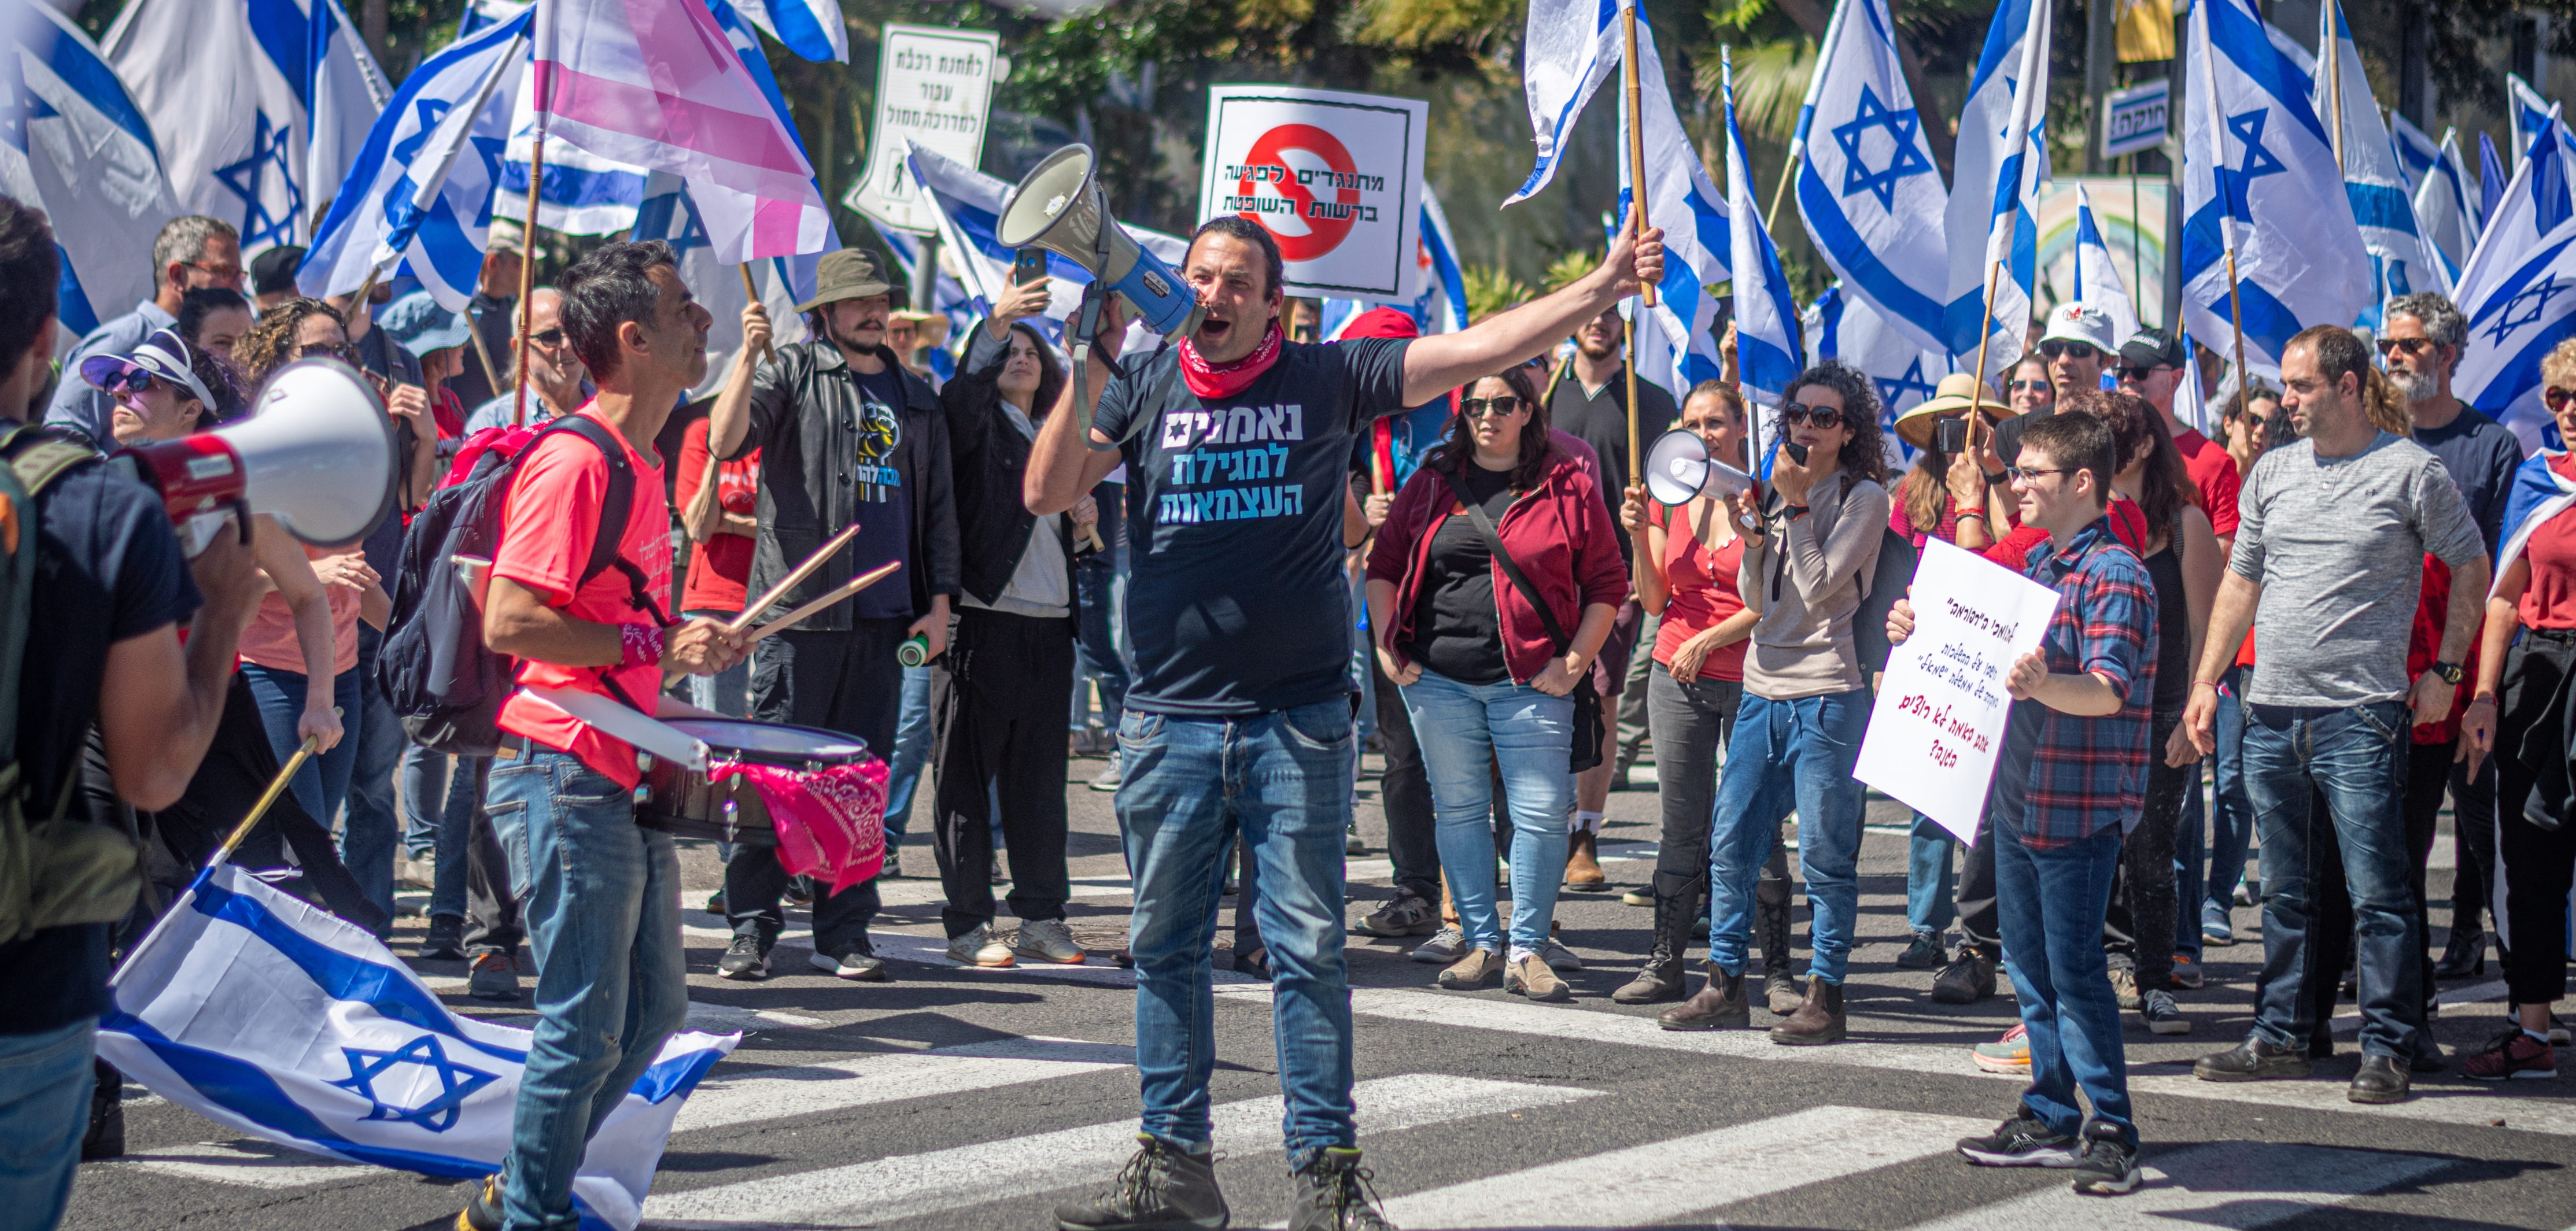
721	530
600	893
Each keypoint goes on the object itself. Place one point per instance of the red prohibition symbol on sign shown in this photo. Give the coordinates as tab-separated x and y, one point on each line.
1323	234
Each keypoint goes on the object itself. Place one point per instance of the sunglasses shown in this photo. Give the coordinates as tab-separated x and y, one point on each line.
548	338
2412	346
2018	386
1823	417
2139	371
1478	408
2058	349
124	381
2557	398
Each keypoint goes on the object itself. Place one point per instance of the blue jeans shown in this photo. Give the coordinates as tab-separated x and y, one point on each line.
601	902
371	834
324	781
1931	904
1099	579
1463	728
727	692
2356	756
425	776
912	741
2231	813
1787	754
45	1085
1284	780
2049	905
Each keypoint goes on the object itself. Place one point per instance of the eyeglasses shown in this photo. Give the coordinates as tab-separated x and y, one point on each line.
2557	398
2412	346
220	273
1824	417
1497	407
2030	474
2019	386
548	338
2059	348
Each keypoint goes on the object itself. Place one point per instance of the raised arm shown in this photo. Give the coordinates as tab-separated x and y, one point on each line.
1444	361
1069	457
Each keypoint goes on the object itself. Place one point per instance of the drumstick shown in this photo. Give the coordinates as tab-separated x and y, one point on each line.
803	571
846	589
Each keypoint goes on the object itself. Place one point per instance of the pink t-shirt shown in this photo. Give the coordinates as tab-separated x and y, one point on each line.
271	642
547	527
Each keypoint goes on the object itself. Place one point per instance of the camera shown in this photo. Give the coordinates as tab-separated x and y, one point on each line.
1950	435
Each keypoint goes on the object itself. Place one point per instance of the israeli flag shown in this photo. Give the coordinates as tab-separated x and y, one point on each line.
2261	183
1870	194
2527	207
1569	47
2417	154
2530	116
2097	276
1767	354
1442	306
1816	81
669	214
260	107
271	1018
421	191
2443	209
72	143
969	204
1686	206
1904	374
1992	217
2373	180
2491	182
2521	305
811	28
484	14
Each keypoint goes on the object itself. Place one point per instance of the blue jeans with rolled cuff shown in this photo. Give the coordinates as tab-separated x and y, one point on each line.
1463	729
1787	754
2048	904
1283	779
600	895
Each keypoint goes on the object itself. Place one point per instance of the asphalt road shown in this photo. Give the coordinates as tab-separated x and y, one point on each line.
956	1098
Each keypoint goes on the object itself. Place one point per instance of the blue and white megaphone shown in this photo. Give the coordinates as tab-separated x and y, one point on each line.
1060	207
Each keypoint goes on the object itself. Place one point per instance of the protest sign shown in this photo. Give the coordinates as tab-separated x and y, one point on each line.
934	87
1335	177
1938	723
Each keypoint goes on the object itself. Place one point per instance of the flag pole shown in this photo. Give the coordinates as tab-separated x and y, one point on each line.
2334	80
1637	212
276	787
1788	172
752	294
528	239
2236	323
1986	330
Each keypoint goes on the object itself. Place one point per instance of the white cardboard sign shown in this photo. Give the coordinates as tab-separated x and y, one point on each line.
935	87
1335	177
1938	722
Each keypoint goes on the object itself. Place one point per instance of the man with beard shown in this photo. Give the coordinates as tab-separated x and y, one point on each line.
2421	342
847	436
1589	398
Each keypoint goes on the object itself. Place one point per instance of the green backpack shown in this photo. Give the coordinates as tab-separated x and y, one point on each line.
56	873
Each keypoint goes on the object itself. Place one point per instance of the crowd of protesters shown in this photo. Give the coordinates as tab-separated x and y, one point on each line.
2353	600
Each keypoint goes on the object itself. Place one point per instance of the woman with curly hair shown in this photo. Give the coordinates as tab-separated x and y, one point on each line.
1810	543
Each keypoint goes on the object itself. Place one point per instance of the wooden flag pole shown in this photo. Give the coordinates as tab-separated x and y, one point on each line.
1797	154
2236	324
1986	332
2334	81
1637	211
528	248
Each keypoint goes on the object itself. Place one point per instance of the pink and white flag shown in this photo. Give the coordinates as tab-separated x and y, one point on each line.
657	84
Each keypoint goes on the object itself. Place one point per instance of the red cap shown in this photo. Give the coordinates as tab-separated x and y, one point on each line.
1382	323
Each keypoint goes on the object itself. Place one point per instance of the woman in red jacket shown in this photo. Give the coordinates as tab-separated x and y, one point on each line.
1487	674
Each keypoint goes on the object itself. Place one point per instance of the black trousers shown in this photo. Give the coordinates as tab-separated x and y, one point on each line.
491	910
847	682
2473	845
997	706
1404	794
2138	930
1979	924
2538	863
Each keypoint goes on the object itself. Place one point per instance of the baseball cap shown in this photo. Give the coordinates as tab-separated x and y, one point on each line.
2150	348
273	272
2076	321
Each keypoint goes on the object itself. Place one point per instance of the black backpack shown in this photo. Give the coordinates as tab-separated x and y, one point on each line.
1886	583
441	679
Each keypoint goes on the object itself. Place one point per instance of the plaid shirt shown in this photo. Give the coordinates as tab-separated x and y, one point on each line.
2085	773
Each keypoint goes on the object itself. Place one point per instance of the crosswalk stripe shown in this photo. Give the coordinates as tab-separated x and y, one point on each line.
704	1015
253	1164
905	1186
2434	1104
927	950
806	1089
1669	1179
2241	1184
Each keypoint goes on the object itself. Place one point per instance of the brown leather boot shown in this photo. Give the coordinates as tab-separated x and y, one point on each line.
1583	872
1819	1018
1720	1003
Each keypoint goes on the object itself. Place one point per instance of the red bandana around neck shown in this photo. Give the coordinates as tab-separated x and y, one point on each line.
1224	380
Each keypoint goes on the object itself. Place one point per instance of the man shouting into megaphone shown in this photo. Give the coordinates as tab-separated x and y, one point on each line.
1240	713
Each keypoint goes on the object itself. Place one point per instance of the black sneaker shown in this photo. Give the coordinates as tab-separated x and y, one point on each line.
446	939
1967	980
1162	1188
2019	1142
1405	916
2252	1060
745	959
2108	1165
483	1210
105	1137
1926	953
1332	1194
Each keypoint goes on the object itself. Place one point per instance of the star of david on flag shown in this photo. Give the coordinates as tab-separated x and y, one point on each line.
1870	195
276	1020
1904	154
1991	218
2519	309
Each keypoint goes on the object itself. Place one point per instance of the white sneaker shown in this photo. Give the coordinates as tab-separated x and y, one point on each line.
1109	777
980	948
1046	940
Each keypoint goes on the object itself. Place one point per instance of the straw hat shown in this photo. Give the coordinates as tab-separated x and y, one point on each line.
928	328
1953	396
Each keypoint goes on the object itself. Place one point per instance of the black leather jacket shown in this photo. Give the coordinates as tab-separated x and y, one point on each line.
805	420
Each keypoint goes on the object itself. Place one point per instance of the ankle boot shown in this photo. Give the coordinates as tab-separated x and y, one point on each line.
1780	992
2464	957
1661	977
1819	1018
1720	1003
1583	872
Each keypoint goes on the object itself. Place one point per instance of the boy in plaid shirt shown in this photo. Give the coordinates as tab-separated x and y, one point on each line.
2070	781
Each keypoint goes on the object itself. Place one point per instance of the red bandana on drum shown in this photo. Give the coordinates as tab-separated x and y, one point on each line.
831	821
1224	380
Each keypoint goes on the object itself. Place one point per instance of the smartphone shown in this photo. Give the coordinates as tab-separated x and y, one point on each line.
1950	435
1797	452
1028	266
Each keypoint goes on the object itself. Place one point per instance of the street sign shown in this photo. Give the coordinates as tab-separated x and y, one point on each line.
1335	177
935	86
2135	119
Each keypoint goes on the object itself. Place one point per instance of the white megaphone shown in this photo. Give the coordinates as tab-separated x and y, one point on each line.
1060	207
1679	468
317	454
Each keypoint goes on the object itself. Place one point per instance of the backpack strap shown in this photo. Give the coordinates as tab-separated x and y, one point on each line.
1511	568
615	512
36	456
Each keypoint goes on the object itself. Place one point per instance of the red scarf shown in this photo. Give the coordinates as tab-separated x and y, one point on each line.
1224	380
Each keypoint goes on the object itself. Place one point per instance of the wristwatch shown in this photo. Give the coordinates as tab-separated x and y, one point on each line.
2451	673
